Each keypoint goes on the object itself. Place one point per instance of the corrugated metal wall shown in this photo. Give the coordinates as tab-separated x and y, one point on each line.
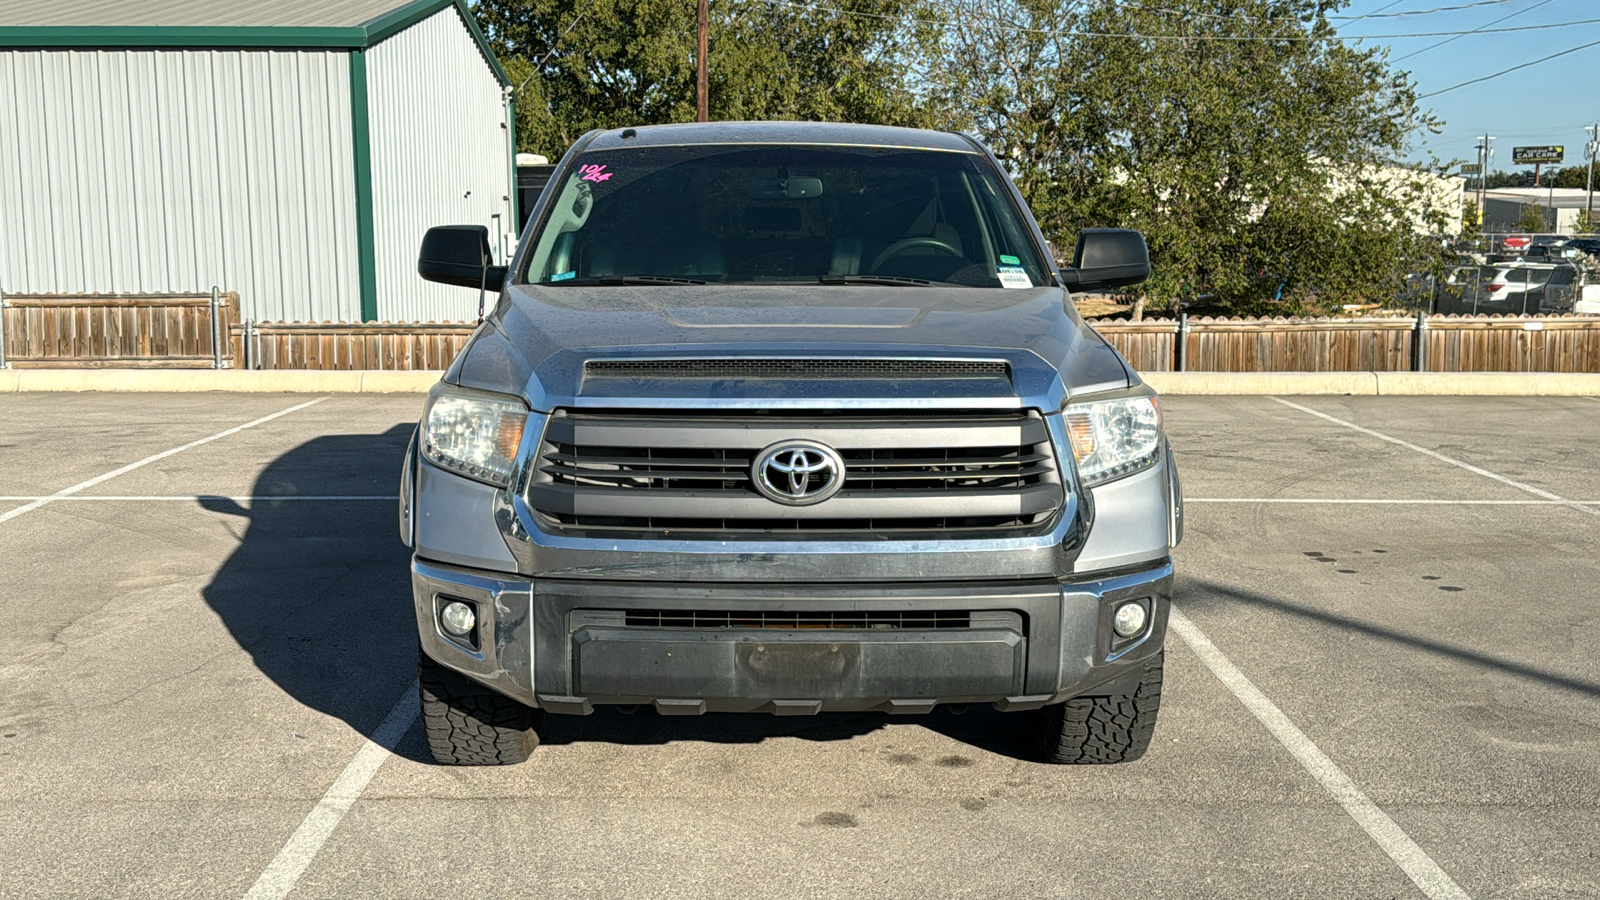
439	157
146	171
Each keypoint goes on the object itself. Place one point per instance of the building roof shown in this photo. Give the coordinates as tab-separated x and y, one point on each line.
212	13
299	24
823	133
1559	198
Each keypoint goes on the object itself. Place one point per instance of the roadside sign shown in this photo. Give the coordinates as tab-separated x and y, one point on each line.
1471	169
1528	156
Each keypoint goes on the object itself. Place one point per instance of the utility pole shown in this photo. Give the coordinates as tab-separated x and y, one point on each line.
1485	153
1594	145
702	106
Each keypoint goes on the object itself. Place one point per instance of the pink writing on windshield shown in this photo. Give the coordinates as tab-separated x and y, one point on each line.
593	173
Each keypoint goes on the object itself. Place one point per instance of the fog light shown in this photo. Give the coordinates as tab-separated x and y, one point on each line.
1129	619
458	618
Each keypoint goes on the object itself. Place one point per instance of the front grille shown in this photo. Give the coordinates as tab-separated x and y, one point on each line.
846	619
797	369
689	474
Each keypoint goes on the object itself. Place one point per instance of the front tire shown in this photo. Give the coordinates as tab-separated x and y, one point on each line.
470	725
1089	731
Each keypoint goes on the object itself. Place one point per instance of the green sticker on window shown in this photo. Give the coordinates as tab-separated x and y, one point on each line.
1010	260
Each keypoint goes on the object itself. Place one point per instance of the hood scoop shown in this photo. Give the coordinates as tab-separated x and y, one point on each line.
798	369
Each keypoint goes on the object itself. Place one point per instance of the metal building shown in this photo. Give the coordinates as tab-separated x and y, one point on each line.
293	151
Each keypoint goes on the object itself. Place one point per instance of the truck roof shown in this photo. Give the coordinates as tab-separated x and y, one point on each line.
812	133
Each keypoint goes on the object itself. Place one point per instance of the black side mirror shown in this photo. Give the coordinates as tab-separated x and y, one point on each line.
1107	258
460	255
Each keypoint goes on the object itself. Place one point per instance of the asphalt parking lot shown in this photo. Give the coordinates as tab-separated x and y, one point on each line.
1387	685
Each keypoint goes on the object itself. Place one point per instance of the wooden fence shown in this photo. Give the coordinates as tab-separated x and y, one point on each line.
175	330
91	330
349	345
1447	344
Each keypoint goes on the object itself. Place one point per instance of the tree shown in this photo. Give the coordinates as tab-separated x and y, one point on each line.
610	63
1533	219
1471	221
1252	149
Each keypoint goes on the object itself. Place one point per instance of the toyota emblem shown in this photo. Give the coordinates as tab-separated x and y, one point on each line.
798	473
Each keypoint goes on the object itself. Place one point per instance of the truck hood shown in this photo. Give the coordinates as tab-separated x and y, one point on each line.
538	339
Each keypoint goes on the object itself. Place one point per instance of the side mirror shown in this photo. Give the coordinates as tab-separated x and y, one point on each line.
1107	258
459	255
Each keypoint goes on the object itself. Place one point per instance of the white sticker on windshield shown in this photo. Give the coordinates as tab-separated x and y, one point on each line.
1013	277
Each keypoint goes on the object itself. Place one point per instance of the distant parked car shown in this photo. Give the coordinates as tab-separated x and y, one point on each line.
1560	292
1519	288
1586	244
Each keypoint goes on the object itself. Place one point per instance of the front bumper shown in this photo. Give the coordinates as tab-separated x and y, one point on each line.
566	645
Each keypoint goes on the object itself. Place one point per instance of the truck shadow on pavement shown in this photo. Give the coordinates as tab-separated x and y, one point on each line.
318	592
1199	593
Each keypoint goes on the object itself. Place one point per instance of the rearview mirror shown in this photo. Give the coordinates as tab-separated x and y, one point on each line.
1107	258
459	255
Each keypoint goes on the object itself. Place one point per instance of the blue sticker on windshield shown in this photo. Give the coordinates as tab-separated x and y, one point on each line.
563	276
1010	260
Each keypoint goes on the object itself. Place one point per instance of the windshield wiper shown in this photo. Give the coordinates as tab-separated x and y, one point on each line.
621	279
891	280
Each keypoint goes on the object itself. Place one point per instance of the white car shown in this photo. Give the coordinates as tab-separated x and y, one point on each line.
1519	288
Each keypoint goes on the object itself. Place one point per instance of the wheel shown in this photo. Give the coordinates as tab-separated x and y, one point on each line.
911	243
471	725
1088	731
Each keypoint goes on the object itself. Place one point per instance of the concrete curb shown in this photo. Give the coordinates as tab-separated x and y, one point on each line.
1372	384
1176	383
236	381
1391	384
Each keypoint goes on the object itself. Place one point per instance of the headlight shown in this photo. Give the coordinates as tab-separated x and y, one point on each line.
1113	438
473	434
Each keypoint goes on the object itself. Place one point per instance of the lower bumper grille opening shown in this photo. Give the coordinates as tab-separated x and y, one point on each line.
845	619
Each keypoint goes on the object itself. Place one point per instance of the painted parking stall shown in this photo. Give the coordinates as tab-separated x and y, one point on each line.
1381	681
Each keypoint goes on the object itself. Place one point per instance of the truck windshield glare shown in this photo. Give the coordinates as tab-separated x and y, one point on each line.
713	214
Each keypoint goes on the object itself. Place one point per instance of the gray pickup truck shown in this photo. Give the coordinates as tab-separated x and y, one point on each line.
788	418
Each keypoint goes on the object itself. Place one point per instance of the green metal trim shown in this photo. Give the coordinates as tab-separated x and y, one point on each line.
483	43
361	148
401	18
358	37
404	17
178	36
511	149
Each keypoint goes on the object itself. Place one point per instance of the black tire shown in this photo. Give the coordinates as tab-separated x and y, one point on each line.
1091	731
470	725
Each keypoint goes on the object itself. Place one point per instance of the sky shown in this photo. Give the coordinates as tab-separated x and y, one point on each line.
1544	104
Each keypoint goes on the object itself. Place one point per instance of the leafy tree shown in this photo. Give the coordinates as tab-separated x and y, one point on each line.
1508	179
1533	219
609	63
1252	149
1471	221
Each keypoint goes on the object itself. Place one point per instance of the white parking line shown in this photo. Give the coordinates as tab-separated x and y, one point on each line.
191	498
65	493
1412	859
1476	470
1337	500
281	875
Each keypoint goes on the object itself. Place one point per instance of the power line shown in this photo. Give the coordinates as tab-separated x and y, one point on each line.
1510	70
1458	37
1197	37
1380	14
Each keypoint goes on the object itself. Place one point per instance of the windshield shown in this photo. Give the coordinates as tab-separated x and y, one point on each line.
762	214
